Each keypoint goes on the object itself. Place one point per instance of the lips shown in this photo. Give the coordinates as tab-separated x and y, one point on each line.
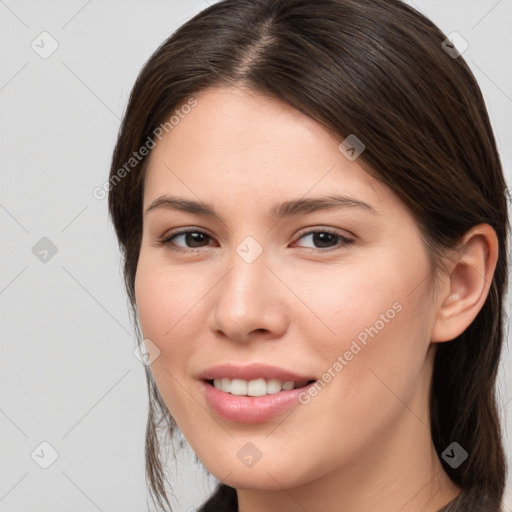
252	372
234	405
250	409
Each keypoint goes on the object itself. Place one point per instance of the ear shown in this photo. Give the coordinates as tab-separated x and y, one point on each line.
469	280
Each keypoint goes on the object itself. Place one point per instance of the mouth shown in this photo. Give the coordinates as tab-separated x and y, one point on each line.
254	393
256	387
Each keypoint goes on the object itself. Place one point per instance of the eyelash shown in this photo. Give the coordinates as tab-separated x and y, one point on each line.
166	240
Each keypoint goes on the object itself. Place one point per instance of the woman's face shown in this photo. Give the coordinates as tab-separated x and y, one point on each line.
336	293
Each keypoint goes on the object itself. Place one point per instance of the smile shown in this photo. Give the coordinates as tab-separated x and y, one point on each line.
256	387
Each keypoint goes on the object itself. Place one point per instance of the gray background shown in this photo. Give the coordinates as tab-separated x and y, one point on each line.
69	376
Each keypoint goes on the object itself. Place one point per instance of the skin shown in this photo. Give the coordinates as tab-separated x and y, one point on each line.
364	441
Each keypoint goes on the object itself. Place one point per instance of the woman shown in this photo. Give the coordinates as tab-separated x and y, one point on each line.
356	372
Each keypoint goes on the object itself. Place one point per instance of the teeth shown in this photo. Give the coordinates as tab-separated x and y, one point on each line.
257	387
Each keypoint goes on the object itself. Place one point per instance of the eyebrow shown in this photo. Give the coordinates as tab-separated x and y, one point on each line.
286	209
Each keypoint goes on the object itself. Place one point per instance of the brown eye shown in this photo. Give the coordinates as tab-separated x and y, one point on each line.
191	238
328	240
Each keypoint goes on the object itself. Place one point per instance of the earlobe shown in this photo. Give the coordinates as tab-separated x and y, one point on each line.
470	279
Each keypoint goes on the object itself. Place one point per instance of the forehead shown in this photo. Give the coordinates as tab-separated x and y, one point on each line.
238	146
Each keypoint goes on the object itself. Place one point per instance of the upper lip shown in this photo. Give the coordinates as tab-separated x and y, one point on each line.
252	372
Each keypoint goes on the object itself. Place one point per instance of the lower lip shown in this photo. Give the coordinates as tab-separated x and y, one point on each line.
251	409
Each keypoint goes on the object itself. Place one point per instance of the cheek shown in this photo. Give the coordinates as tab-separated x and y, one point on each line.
165	304
348	302
371	317
166	297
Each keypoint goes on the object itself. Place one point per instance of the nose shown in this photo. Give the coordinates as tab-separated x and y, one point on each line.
248	302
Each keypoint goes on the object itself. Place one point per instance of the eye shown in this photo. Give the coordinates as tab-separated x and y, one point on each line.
324	239
193	237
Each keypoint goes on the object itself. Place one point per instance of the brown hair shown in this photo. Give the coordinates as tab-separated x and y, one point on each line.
377	69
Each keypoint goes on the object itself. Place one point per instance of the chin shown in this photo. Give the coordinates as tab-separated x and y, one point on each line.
271	475
260	480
